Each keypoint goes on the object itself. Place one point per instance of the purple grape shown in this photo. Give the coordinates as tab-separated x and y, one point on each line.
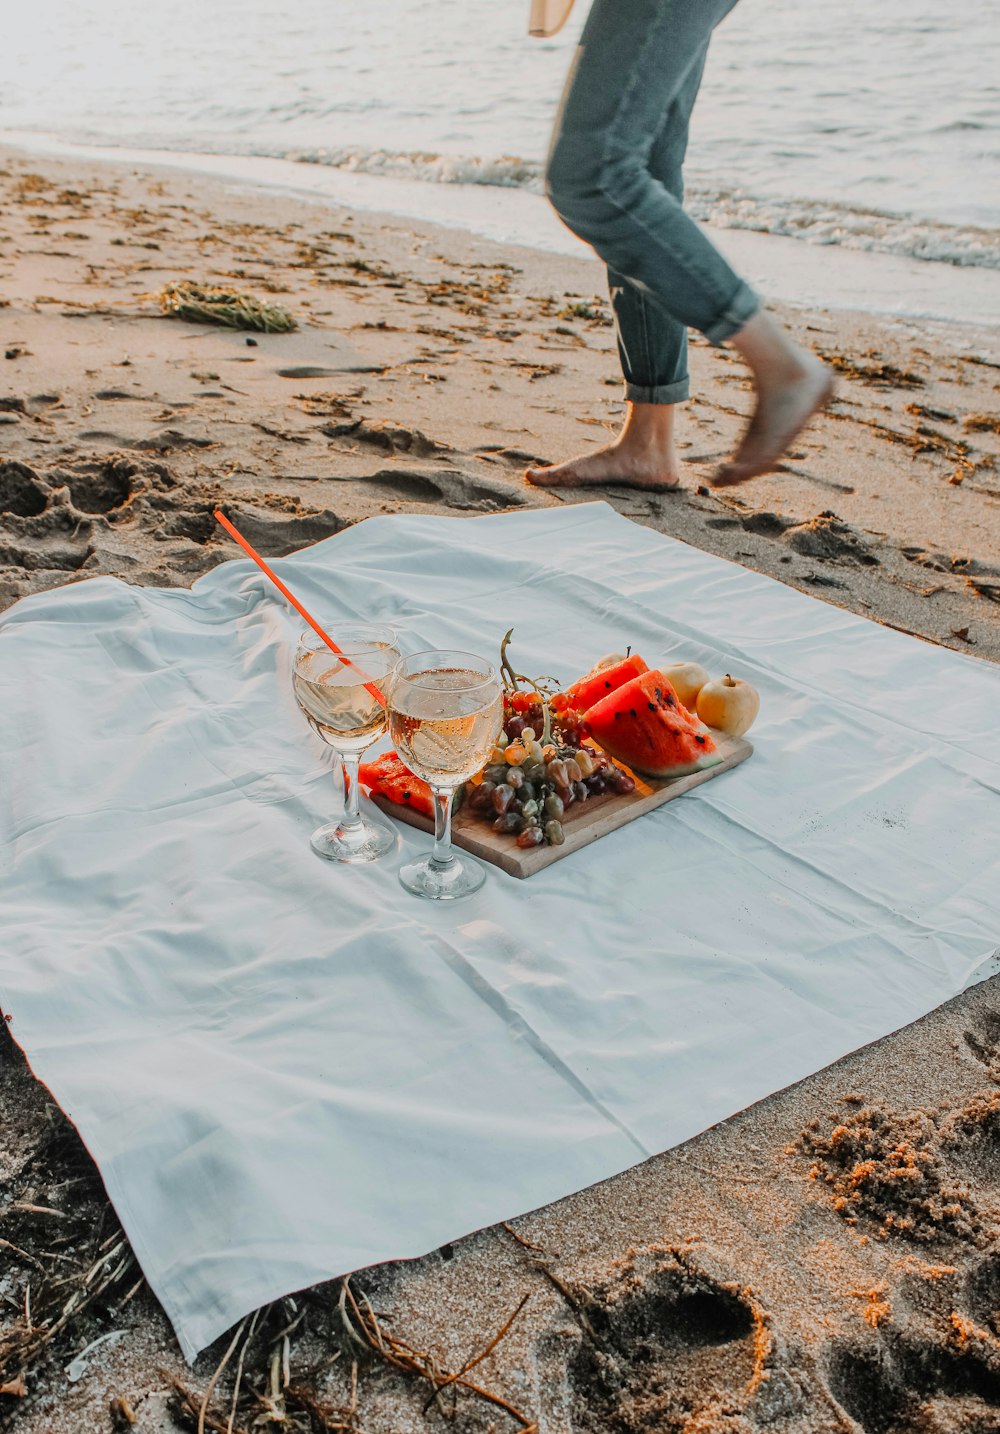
501	798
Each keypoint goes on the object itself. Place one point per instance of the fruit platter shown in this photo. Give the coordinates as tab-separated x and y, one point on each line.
571	765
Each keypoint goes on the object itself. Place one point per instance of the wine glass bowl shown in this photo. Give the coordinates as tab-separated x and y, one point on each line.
338	695
445	714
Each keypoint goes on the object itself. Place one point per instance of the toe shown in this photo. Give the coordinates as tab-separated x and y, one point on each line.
729	475
560	475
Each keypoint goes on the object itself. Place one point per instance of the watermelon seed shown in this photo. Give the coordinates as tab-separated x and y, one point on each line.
651	706
699	738
632	712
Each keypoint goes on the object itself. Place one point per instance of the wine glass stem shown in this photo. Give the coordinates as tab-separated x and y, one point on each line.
442	856
350	762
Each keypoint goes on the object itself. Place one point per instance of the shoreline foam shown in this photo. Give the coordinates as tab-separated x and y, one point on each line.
785	264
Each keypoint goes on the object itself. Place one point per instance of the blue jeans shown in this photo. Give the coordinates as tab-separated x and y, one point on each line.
614	178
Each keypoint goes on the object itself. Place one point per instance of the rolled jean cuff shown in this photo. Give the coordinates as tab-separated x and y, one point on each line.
738	311
662	393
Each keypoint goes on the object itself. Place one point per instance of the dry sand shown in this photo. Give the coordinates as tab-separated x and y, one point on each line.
829	1259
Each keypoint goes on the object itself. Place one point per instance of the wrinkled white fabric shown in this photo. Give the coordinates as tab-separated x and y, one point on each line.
287	1069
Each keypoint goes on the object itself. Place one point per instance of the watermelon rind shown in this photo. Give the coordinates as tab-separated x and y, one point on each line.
711	759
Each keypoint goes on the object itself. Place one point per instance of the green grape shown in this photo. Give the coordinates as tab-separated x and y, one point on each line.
557	772
585	763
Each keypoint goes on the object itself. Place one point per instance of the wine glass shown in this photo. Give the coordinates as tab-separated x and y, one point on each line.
338	696
445	713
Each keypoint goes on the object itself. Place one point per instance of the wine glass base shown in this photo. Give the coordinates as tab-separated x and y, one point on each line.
353	844
461	877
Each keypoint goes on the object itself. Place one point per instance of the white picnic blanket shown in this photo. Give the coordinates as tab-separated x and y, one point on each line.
286	1069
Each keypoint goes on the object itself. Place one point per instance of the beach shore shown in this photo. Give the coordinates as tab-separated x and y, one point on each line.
752	1279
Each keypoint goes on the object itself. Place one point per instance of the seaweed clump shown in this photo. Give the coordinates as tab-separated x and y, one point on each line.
200	305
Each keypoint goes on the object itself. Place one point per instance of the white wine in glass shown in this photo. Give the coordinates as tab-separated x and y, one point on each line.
445	714
338	695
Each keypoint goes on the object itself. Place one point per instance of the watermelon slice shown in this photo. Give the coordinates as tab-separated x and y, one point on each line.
643	724
388	777
602	680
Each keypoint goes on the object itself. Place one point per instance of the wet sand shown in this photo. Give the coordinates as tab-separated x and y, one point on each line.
827	1260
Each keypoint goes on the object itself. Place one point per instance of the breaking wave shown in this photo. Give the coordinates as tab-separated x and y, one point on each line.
815	222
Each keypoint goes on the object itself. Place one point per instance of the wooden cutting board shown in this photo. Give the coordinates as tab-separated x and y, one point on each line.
583	823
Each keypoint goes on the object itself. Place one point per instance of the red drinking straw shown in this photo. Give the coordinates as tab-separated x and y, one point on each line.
252	552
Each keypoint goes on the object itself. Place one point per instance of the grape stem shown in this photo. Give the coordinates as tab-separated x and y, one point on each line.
511	679
512	683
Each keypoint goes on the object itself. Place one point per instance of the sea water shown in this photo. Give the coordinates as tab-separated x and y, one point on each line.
850	126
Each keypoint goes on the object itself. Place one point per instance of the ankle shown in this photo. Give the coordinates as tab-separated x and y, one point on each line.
770	352
649	427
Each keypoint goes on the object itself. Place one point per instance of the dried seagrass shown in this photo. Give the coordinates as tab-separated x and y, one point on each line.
200	305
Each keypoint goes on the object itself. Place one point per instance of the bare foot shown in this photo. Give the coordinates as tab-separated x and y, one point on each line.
781	413
791	383
607	465
642	456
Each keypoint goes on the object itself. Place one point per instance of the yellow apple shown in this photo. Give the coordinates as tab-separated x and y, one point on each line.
687	679
729	705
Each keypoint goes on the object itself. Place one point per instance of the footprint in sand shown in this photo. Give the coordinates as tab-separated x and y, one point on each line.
30	407
983	1042
933	1365
827	537
671	1344
518	457
390	437
163	442
410	486
447	486
275	534
56	539
319	371
39	527
483	496
21	492
931	1178
99	487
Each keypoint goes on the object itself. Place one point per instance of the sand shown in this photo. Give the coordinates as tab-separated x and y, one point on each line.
827	1260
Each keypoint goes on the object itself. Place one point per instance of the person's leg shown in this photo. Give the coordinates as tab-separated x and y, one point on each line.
634	59
652	347
630	69
652	344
